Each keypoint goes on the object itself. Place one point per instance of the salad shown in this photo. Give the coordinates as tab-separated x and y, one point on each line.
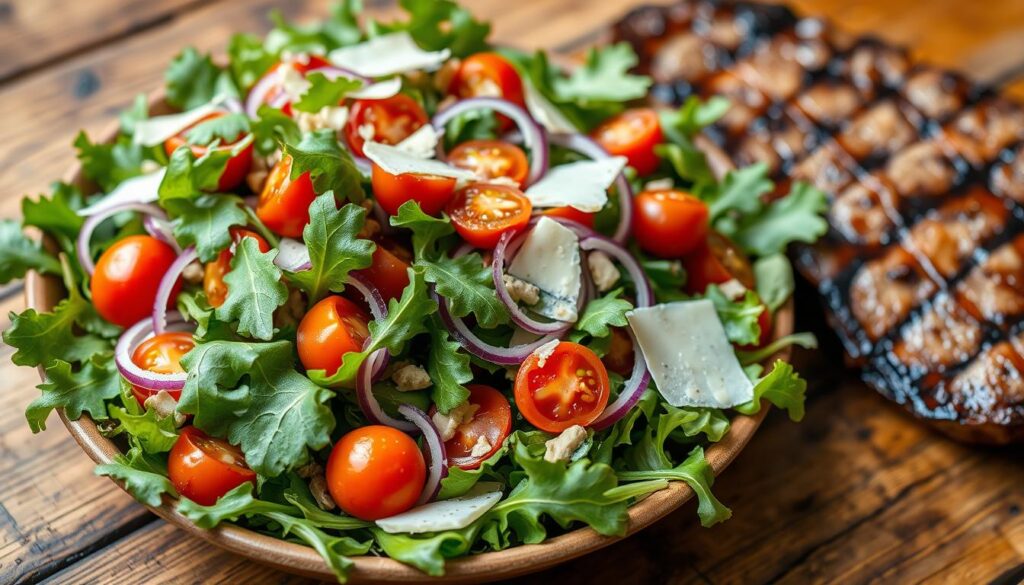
388	289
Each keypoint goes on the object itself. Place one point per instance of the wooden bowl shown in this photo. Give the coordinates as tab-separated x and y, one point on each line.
42	293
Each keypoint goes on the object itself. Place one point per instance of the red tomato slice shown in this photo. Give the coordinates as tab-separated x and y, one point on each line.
375	472
203	468
127	276
284	204
391	191
237	166
332	328
572	214
715	262
632	134
492	421
569	388
488	75
391	120
491	159
213	274
481	213
669	223
161	354
389	273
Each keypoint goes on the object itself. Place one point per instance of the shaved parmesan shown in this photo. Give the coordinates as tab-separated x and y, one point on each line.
378	91
583	185
550	260
452	514
689	355
545	112
397	161
141	189
387	55
421	143
156	130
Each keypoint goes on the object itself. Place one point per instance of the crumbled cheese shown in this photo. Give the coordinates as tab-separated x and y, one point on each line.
550	259
447	424
544	352
332	118
193	273
733	289
520	290
602	270
410	377
481	447
164	405
562	447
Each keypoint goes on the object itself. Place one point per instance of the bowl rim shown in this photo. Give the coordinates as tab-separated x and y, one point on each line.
43	292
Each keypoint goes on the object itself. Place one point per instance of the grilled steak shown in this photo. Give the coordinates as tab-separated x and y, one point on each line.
922	272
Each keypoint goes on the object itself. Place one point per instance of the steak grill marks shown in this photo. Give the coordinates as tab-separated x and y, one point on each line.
922	270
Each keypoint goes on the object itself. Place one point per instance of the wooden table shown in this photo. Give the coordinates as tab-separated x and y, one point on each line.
857	492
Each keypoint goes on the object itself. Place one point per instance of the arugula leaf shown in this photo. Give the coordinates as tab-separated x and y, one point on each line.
249	60
467	284
459	481
318	38
773	278
227	128
427	552
649	452
330	167
55	215
324	92
335	248
19	253
601	314
739	318
75	392
41	338
255	290
271	127
805	339
205	222
797	217
186	176
448	366
783	387
697	473
740	192
427	230
155	434
443	24
212	390
192	80
109	164
143	476
692	117
138	112
604	76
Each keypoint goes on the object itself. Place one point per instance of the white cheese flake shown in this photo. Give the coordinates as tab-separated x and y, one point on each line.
381	90
396	161
387	55
154	131
452	514
583	184
550	260
141	189
689	355
602	270
422	143
544	112
565	444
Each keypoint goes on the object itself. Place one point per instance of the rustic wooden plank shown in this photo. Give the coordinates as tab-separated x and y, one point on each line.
35	33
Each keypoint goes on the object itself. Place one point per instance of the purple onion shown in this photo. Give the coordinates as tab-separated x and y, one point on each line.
368	402
631	392
131	339
437	459
510	244
258	94
597	243
90	225
333	72
167	282
162	230
292	256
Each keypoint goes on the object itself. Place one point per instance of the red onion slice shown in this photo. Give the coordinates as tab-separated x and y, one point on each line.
644	292
368	402
509	244
131	339
437	459
90	225
534	137
258	94
631	392
293	256
167	282
586	146
162	230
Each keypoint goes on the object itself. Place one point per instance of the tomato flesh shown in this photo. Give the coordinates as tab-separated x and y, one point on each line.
669	223
481	213
572	214
716	261
492	421
388	273
388	121
161	354
489	75
391	191
569	388
491	159
375	471
214	287
127	277
633	134
203	468
332	328
284	203
237	166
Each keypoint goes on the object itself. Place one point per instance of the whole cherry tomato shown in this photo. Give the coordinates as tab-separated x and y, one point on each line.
161	354
491	159
389	273
491	423
568	387
632	134
481	213
387	121
127	277
669	223
213	274
430	191
332	328
203	468
284	203
375	472
237	166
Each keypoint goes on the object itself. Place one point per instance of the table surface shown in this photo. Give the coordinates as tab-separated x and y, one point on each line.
858	491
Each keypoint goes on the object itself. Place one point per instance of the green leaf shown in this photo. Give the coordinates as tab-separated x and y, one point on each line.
271	127
249	60
317	38
427	552
109	164
137	113
459	481
335	248
603	313
155	434
255	290
604	76
783	387
19	253
192	80
40	338
227	128
55	215
426	230
143	476
692	117
187	177
448	366
697	473
773	278
805	340
75	392
443	24
467	284
649	451
324	92
330	167
741	192
797	217
687	161
205	222
212	390
739	318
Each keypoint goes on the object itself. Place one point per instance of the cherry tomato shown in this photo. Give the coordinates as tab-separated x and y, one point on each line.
569	388
619	358
491	159
488	75
481	213
203	468
284	204
237	166
571	213
161	354
276	94
430	191
716	261
332	328
492	421
632	134
764	321
669	223
213	274
389	273
375	472
127	276
392	121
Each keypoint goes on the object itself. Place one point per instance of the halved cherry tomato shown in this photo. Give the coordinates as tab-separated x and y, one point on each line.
619	358
389	273
571	213
332	328
203	468
716	261
375	472
569	388
492	421
430	191
161	354
127	276
392	120
632	134
304	66
488	75
482	212
237	166
491	159
213	274
284	203
669	223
